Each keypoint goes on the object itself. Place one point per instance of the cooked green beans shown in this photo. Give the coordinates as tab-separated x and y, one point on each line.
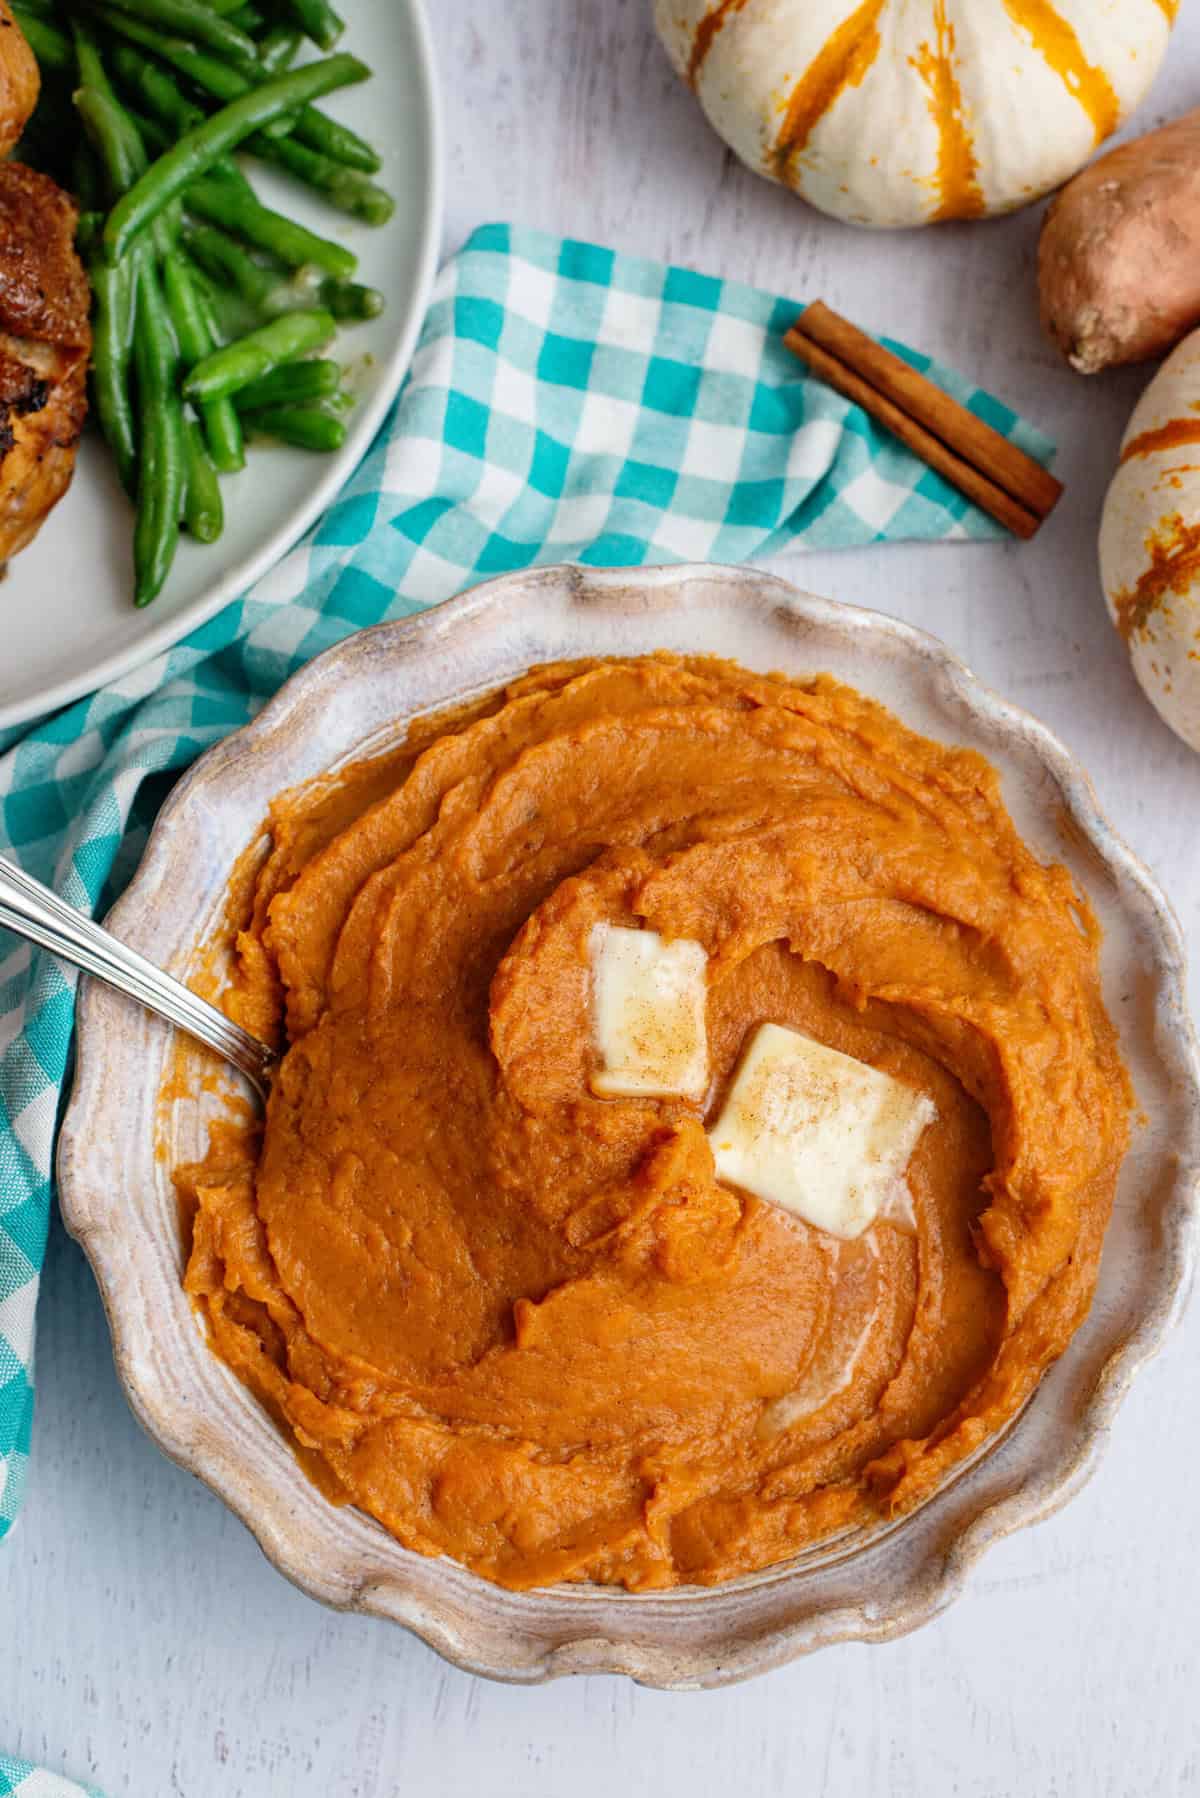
92	72
204	514
195	20
162	475
146	81
342	187
279	48
228	82
112	346
196	340
251	357
293	384
119	147
197	150
222	204
350	299
209	307
227	263
317	20
207	72
304	427
320	132
191	332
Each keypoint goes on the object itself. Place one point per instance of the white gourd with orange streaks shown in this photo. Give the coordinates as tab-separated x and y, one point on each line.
906	112
1150	541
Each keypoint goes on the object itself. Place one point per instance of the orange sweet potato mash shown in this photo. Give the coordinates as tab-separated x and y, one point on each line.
527	1327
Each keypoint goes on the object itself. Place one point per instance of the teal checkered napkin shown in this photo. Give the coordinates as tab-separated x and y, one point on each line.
565	403
21	1780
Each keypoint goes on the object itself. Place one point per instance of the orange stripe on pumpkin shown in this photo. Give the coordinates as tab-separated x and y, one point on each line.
957	177
1055	41
706	31
1166	437
1174	552
842	61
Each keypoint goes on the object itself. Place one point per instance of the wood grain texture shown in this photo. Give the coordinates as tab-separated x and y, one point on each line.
164	1656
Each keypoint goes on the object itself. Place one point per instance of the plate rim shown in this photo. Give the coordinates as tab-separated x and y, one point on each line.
934	1578
321	496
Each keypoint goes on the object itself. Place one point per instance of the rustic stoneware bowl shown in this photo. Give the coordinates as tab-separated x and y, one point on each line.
117	1197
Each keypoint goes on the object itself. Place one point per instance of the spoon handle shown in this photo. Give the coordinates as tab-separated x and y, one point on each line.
31	910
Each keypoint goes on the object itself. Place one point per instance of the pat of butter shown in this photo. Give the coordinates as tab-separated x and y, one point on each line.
815	1131
648	1006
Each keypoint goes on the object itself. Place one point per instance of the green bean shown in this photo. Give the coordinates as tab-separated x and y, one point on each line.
197	150
255	355
197	339
119	140
154	87
194	20
316	129
51	47
279	49
112	132
167	228
228	82
221	204
191	333
317	20
227	263
153	134
209	73
246	18
41	9
226	7
92	72
304	427
225	313
228	172
163	476
290	385
115	294
223	429
344	188
350	300
203	512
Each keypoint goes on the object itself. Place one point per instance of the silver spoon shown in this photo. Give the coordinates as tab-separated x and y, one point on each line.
31	910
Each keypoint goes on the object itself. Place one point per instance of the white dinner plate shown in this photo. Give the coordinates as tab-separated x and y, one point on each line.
67	621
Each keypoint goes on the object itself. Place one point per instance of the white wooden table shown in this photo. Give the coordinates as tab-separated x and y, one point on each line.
145	1643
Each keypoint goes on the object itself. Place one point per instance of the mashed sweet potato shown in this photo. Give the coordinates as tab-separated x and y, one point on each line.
526	1327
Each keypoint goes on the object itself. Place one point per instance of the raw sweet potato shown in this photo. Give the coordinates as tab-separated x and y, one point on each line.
1119	257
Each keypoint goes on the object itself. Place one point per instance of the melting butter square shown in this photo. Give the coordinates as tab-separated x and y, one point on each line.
648	1014
821	1134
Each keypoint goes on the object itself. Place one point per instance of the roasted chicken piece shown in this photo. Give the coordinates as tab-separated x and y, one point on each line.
45	342
20	82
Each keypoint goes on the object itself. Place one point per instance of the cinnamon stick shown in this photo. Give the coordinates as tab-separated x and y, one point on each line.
1011	486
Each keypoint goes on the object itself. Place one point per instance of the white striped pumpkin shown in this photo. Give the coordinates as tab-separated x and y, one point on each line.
1150	541
906	112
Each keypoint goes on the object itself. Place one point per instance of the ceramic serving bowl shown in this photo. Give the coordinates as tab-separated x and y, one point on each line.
118	1201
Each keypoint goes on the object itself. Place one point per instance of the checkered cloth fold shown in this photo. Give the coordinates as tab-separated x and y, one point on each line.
20	1780
565	403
